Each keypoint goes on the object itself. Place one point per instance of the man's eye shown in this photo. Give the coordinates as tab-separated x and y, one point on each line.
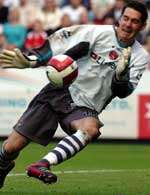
135	21
125	18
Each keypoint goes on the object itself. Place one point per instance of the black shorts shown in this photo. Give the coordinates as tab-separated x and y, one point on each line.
50	107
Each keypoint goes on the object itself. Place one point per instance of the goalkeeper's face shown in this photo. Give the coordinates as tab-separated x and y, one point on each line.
130	25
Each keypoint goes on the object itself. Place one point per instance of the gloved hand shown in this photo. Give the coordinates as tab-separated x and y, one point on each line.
122	65
16	59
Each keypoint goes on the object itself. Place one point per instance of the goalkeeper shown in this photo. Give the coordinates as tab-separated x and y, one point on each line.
111	63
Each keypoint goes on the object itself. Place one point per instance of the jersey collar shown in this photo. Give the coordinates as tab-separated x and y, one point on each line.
121	43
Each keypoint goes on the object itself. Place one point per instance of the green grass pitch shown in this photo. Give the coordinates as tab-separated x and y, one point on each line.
100	169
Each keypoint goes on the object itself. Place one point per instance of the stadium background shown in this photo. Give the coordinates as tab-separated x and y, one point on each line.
26	24
109	166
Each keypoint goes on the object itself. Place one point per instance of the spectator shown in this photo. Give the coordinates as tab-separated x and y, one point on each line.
86	3
37	36
3	43
37	3
51	14
146	31
108	20
147	43
76	11
98	10
65	22
60	2
115	11
3	12
11	3
14	32
28	13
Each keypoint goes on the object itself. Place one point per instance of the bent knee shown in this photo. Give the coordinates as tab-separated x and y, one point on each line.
94	133
90	125
15	142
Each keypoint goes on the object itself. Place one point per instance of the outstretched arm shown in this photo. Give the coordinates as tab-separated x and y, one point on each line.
34	58
74	41
45	53
39	56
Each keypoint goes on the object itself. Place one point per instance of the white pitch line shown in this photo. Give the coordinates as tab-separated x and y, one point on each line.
88	171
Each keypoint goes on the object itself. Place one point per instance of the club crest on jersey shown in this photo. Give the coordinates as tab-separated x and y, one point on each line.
113	55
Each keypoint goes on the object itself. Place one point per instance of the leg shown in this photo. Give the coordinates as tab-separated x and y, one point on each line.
38	123
82	120
86	130
9	152
15	142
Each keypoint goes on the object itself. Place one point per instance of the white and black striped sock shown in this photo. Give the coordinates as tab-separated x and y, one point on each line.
68	147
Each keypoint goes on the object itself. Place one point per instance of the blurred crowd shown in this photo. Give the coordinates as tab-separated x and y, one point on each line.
27	23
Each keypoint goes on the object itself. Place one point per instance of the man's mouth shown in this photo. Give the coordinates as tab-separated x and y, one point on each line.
127	30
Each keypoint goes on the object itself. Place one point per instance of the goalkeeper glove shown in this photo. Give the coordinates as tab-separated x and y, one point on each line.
16	59
122	65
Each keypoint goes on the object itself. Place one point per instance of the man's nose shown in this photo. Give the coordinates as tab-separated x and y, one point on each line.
129	23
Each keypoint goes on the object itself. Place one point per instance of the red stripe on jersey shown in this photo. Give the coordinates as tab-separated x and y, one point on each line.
70	78
60	65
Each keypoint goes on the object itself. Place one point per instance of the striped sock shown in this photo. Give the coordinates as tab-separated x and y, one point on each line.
68	147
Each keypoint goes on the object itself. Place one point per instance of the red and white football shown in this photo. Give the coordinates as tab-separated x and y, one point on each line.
61	70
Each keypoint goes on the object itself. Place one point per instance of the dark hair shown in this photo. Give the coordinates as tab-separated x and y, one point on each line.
138	6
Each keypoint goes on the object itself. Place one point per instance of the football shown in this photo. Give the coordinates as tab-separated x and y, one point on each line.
61	70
